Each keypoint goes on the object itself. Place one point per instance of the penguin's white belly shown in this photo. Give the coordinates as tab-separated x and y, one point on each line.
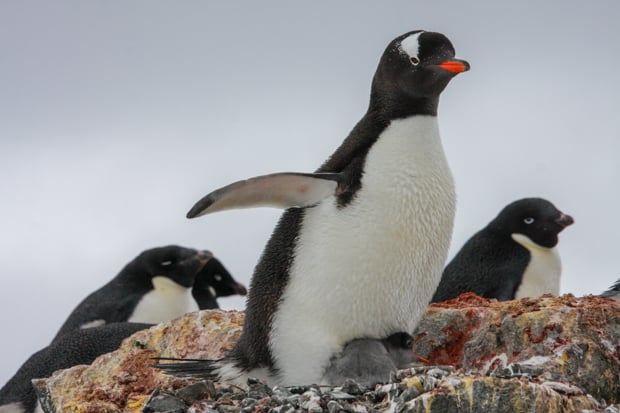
368	269
166	301
543	272
12	408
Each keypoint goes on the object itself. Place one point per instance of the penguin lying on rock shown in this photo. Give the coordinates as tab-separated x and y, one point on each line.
612	292
79	346
514	256
83	345
154	287
360	249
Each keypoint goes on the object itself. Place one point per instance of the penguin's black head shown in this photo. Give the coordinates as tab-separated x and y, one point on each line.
402	341
535	218
216	276
179	264
414	69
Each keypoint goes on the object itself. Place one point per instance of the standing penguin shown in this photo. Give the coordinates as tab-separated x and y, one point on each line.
514	256
361	249
80	346
153	288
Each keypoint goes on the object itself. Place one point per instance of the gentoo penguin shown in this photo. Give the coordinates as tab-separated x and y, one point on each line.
613	291
514	256
360	249
80	346
153	288
370	361
215	281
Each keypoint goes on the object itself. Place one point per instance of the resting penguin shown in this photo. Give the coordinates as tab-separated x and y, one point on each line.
360	249
612	292
153	288
215	281
514	256
80	346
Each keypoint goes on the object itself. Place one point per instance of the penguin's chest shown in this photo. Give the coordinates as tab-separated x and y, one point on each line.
369	269
166	301
543	272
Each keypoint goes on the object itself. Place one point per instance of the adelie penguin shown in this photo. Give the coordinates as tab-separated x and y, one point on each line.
514	256
212	282
153	288
360	249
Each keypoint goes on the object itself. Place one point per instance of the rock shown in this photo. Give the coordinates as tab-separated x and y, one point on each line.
550	338
160	402
197	391
550	354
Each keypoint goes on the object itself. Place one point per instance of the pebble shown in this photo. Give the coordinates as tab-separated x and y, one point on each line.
161	402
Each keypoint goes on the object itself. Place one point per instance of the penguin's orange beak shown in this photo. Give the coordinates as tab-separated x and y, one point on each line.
455	66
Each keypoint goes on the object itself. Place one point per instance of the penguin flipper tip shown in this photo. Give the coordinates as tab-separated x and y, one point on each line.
278	190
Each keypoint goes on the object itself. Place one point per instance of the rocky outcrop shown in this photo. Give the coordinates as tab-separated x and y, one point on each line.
551	354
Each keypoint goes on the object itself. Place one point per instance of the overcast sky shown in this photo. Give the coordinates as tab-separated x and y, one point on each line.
116	116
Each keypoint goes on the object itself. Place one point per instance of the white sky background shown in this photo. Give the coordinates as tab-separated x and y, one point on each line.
116	116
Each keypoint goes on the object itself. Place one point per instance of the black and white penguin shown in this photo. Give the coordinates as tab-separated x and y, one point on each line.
155	287
80	346
370	361
215	281
360	251
514	256
612	292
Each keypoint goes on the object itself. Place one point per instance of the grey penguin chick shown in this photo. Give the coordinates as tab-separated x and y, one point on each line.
79	346
514	256
370	361
154	287
612	292
386	190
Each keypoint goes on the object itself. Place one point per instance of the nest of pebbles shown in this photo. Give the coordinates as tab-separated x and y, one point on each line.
215	397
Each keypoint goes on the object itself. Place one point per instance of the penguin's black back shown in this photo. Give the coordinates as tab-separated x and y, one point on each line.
81	346
489	264
114	303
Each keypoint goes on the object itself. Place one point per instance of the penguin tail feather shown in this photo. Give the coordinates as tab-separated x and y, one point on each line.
196	368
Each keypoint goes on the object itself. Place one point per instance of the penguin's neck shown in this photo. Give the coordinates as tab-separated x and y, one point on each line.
398	105
165	301
542	274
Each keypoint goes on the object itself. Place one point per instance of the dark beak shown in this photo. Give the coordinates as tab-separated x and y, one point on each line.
564	220
240	289
455	66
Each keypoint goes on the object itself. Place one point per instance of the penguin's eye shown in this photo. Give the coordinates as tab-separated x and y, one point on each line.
165	263
528	220
217	277
409	343
414	60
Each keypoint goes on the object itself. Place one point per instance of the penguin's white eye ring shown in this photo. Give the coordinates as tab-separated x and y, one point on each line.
528	220
217	277
165	263
414	60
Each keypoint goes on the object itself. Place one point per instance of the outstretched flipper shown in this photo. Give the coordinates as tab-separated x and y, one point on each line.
280	190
